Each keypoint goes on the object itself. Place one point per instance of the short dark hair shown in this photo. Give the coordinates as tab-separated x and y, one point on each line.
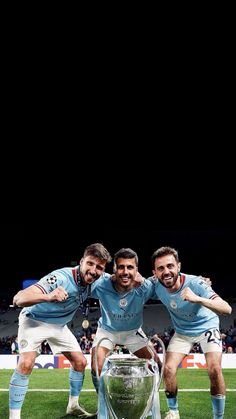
126	253
164	251
98	251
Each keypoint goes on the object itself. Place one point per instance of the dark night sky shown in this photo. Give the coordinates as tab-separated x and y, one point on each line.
185	203
31	250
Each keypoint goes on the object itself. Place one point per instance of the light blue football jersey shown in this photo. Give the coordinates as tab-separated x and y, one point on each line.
59	312
121	311
188	318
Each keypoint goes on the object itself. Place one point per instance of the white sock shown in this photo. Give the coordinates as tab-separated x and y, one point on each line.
73	401
14	413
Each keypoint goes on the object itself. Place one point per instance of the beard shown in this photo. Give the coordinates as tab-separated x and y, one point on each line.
88	278
169	285
123	286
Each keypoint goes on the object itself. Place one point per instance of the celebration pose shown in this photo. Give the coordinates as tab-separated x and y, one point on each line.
48	306
194	309
121	302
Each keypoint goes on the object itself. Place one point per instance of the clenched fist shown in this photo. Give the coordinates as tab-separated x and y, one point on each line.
59	294
188	295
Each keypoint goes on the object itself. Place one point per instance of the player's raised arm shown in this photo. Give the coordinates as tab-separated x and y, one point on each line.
35	295
216	303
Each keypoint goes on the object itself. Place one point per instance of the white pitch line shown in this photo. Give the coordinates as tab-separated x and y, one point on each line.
184	390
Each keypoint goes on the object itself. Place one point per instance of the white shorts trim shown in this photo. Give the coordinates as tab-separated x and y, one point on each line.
133	339
210	341
32	333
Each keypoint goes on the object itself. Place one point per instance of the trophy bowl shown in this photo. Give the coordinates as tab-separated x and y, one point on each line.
129	388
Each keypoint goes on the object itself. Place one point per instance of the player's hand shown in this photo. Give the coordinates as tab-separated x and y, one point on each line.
138	280
188	295
14	303
207	280
59	294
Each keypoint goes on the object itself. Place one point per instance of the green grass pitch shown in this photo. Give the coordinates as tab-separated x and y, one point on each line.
51	401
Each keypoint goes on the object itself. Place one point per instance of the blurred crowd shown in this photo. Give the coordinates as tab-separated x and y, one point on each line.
85	337
228	340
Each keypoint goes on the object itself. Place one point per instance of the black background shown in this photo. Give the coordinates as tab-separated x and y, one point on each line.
32	250
158	199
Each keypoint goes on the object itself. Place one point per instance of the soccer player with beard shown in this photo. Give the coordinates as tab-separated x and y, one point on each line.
194	308
121	303
48	306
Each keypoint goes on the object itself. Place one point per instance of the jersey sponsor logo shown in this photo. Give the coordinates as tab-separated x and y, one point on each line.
173	304
52	279
123	302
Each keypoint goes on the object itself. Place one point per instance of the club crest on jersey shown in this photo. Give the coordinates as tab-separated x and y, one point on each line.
52	279
173	304
123	302
23	343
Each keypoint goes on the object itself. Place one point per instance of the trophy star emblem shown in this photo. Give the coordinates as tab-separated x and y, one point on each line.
123	302
173	304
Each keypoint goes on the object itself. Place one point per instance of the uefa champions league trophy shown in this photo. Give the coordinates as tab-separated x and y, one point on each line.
128	386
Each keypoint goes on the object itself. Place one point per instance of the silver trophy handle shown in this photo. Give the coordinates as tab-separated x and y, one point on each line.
158	377
164	358
96	354
151	350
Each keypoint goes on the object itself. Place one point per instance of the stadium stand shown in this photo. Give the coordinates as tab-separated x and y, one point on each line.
156	320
